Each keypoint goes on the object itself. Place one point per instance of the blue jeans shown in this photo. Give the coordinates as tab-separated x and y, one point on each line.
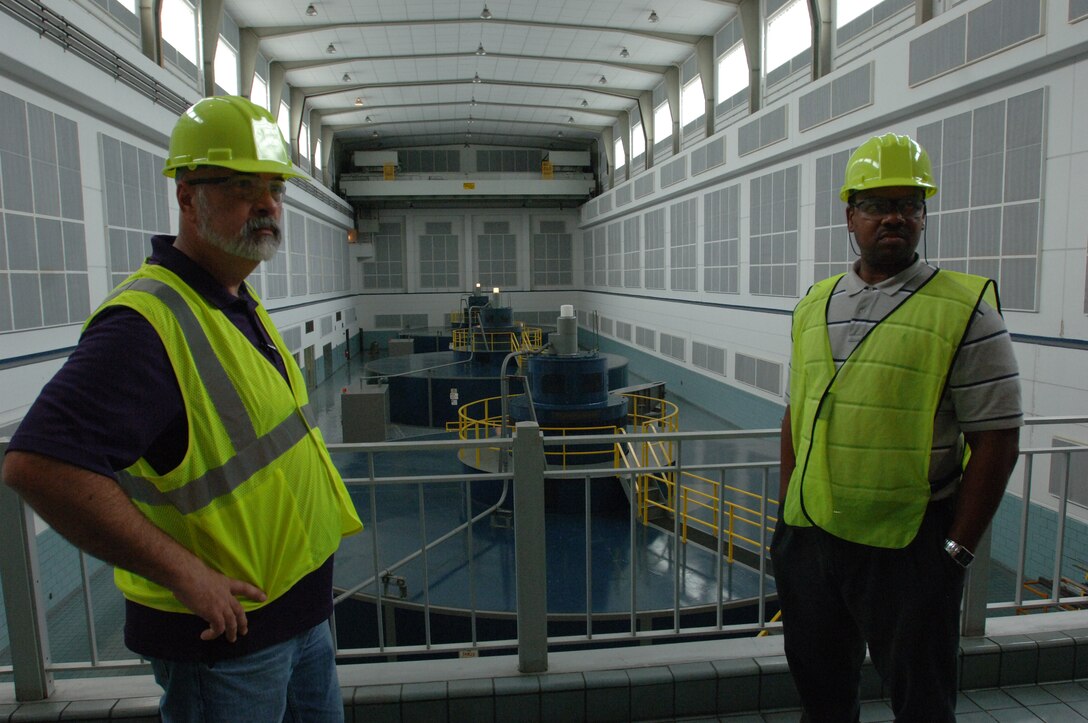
292	681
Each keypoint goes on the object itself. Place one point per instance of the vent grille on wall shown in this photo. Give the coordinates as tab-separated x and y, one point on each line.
837	98
400	321
623	330
644	185
708	156
673	346
674	171
430	161
986	30
759	373
646	338
623	195
293	338
711	358
762	132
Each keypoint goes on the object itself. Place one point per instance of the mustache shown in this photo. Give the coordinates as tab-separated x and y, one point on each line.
254	225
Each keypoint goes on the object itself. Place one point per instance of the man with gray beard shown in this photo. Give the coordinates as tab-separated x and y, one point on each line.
176	444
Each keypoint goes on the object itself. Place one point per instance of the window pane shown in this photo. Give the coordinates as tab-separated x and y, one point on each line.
179	27
226	67
259	93
638	141
847	10
732	73
662	122
788	33
284	122
620	157
692	101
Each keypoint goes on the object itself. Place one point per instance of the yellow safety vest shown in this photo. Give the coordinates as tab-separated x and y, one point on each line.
863	434
256	495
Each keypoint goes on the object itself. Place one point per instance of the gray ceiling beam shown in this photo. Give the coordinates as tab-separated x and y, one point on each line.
322	90
290	65
366	109
279	31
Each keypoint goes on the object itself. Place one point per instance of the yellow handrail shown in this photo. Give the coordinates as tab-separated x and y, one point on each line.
475	339
699	497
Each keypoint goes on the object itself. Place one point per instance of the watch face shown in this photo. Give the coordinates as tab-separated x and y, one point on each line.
959	553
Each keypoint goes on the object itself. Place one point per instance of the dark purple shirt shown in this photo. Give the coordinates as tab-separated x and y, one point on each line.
115	400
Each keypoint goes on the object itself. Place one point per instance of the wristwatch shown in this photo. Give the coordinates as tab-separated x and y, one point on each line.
959	553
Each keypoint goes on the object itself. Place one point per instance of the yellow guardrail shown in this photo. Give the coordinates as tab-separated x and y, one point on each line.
698	500
701	500
482	419
529	338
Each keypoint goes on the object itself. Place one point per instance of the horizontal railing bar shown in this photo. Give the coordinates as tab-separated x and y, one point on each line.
416	479
1080	600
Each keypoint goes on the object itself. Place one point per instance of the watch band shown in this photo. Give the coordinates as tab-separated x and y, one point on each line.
962	556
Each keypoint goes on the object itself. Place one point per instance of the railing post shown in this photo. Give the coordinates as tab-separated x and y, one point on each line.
532	586
23	602
973	621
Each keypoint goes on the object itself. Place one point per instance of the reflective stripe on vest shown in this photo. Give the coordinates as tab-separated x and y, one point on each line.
252	454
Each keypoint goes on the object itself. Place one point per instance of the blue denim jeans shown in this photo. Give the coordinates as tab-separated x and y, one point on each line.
292	681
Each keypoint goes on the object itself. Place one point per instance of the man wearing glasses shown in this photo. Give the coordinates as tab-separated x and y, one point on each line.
176	443
896	366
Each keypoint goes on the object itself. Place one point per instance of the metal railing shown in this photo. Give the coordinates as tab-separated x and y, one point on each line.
476	339
431	523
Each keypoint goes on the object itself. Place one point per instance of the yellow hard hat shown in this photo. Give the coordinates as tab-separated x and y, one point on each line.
888	160
231	132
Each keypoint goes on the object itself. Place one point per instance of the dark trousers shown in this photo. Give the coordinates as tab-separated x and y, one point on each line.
837	596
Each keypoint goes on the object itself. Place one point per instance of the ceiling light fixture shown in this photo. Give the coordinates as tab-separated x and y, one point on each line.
485	14
476	78
585	103
559	134
346	78
467	145
624	53
570	119
653	16
359	104
367	120
603	80
331	50
480	50
374	134
470	119
472	102
311	10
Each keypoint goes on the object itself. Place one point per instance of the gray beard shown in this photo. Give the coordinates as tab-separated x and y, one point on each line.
249	243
